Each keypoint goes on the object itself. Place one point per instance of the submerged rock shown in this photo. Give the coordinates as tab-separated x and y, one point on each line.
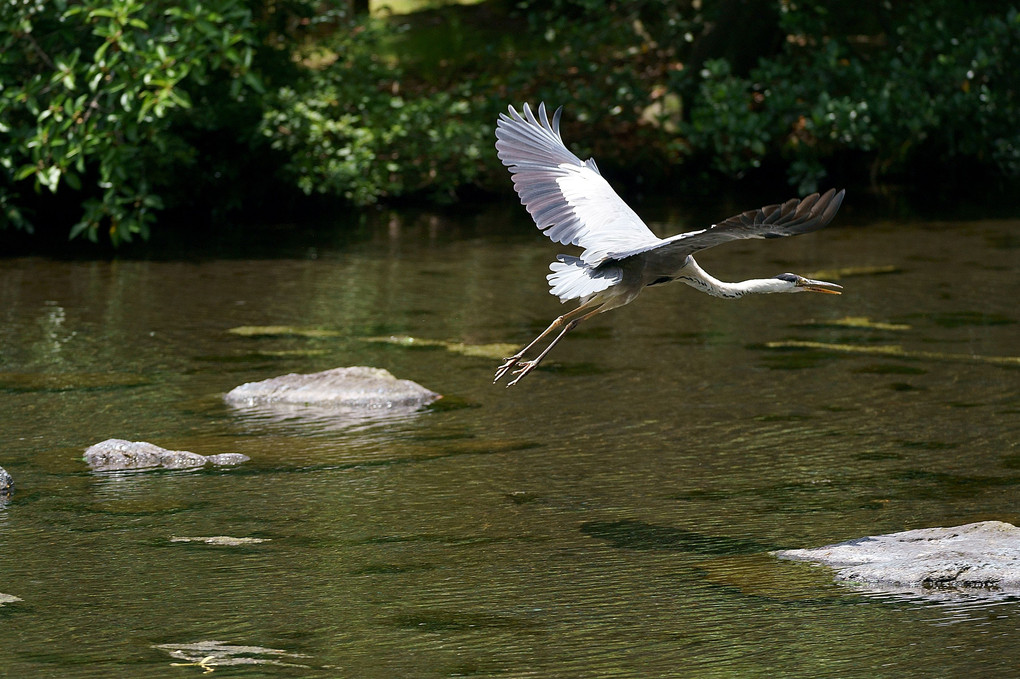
982	555
211	654
283	331
118	454
6	484
226	459
488	351
42	382
894	350
222	540
356	387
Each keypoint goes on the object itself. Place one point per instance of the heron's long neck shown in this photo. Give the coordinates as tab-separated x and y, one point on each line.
696	277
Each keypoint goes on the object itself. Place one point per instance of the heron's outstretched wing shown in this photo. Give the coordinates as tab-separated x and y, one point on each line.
568	199
792	218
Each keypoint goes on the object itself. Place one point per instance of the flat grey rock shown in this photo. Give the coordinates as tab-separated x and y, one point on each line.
118	454
984	555
357	387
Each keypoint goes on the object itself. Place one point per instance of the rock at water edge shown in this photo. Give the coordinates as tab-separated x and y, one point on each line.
119	454
6	484
976	555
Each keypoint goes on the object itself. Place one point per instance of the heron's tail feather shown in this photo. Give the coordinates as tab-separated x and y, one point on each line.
571	278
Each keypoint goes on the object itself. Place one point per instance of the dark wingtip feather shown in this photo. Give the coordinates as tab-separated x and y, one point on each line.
832	203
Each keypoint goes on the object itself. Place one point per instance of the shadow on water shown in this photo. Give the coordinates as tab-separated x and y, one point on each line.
630	534
934	485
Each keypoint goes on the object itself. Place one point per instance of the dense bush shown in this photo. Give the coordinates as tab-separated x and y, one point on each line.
610	64
347	130
89	92
930	84
117	107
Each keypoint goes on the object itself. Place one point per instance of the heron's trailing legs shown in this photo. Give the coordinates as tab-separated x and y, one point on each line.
511	361
569	320
528	366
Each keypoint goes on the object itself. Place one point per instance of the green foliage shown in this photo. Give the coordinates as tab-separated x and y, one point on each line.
938	86
609	64
724	121
347	133
118	107
89	90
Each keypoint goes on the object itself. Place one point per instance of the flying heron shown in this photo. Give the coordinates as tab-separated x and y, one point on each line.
573	204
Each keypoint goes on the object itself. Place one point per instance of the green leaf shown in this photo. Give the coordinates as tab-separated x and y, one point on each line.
78	228
100	51
148	101
24	171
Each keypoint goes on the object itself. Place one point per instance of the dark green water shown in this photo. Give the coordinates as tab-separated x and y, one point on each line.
611	516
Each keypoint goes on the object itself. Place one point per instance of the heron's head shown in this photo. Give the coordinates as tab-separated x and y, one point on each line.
794	283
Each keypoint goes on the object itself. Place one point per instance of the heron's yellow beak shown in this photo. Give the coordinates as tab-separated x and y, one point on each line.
819	286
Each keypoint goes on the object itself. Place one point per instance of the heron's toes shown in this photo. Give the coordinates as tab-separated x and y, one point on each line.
507	364
526	367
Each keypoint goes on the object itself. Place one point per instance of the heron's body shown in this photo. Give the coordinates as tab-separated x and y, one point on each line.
573	204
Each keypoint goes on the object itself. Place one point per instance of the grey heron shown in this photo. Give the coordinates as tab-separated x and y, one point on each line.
573	204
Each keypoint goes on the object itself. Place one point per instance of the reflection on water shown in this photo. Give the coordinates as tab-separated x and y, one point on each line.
943	608
611	516
284	417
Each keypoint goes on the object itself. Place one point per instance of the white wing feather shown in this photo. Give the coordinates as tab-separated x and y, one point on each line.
569	199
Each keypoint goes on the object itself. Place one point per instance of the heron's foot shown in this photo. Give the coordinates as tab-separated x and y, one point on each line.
507	364
522	372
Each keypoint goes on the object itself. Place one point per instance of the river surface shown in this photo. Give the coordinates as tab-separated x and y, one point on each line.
610	516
